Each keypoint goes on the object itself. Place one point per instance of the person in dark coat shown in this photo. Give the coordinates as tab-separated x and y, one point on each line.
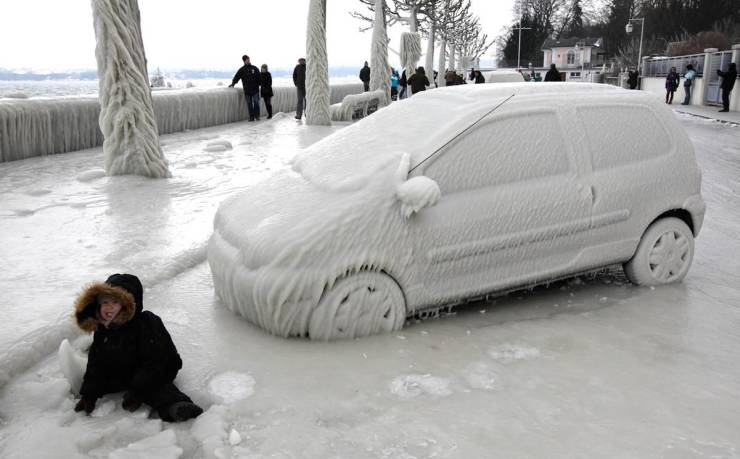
450	78
632	78
250	76
266	89
671	84
131	351
479	78
299	80
418	81
728	82
404	85
365	76
552	74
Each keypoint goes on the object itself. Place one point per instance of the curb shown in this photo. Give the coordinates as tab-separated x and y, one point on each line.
731	123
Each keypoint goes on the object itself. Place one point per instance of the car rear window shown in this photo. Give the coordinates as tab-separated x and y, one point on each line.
502	150
622	134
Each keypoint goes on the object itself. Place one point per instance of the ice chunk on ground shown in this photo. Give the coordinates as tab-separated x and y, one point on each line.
480	376
210	430
234	437
73	365
507	353
231	387
91	175
218	145
412	386
160	446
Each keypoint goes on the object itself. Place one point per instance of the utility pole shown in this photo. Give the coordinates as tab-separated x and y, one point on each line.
519	48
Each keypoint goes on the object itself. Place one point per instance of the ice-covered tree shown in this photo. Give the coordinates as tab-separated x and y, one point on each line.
380	72
131	144
317	66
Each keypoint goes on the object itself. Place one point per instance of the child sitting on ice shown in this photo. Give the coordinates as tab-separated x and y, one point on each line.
131	351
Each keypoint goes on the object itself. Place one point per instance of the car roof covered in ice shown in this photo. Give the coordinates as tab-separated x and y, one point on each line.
419	125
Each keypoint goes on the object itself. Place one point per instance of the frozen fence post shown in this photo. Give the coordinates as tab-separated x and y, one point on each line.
317	66
131	144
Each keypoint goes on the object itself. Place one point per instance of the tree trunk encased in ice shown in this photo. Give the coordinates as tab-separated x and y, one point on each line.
131	144
380	73
429	63
441	63
317	66
410	52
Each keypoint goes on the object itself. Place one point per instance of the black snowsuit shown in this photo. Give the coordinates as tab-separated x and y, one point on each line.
418	82
135	353
266	91
250	76
365	77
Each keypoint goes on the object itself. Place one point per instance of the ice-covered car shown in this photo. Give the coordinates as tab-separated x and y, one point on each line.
503	76
455	193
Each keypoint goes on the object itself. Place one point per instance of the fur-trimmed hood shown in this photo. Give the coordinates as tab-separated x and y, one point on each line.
126	288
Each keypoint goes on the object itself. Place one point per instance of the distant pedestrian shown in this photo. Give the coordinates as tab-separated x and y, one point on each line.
688	80
435	78
552	74
671	84
299	80
418	81
365	76
632	78
394	84
266	89
459	79
479	78
471	76
250	76
728	82
404	85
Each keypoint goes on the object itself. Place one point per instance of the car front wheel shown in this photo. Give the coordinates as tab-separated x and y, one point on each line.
663	255
360	304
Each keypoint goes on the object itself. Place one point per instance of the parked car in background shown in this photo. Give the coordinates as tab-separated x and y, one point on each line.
503	76
487	188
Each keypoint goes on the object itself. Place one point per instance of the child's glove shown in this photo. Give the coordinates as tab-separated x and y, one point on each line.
130	401
85	404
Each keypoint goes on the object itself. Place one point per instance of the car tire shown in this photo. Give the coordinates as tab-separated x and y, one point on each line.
361	304
663	255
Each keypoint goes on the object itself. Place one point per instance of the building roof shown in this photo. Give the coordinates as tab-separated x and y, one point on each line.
570	42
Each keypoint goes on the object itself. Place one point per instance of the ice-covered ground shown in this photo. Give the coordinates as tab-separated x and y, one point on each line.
584	368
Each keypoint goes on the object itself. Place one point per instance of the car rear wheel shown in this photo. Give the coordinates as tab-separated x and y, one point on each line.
664	254
360	304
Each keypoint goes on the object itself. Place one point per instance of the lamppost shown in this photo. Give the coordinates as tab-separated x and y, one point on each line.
628	29
519	48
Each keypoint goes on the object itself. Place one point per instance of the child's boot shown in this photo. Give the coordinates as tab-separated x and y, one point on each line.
182	411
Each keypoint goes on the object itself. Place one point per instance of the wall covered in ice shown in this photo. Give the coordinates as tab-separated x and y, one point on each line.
36	127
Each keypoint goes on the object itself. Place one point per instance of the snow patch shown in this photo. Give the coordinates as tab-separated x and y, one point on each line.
412	386
160	446
210	430
507	353
231	387
37	192
480	376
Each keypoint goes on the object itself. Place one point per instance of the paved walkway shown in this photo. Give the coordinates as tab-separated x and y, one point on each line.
710	112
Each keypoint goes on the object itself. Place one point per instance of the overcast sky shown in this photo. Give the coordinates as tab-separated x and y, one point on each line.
196	34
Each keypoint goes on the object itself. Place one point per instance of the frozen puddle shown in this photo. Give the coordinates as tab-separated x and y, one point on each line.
230	387
508	353
412	386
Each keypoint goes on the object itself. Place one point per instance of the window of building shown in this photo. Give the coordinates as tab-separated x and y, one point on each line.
503	150
620	135
571	57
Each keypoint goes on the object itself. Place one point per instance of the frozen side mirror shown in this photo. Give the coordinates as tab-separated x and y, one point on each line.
417	193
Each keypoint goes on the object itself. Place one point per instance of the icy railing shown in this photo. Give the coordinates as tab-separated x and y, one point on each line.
356	106
36	127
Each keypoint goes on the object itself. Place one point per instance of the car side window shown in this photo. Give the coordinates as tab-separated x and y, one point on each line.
502	150
621	134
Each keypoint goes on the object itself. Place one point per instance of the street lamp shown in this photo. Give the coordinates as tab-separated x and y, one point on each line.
628	29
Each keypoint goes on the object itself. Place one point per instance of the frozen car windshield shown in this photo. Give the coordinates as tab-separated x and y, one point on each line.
351	157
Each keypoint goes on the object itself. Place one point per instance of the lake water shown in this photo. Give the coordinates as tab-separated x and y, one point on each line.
66	88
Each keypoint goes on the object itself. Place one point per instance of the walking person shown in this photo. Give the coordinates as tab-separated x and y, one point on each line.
479	78
418	81
450	78
728	82
266	89
299	80
671	84
688	80
365	76
404	86
394	84
633	78
552	74
250	76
